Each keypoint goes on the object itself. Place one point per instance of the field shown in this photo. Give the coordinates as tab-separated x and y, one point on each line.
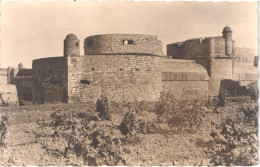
174	133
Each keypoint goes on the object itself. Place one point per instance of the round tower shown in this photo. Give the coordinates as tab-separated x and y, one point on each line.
20	66
227	34
71	45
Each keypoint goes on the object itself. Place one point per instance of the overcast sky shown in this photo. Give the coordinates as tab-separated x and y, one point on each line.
32	30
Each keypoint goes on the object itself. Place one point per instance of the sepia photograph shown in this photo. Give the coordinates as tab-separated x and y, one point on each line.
128	83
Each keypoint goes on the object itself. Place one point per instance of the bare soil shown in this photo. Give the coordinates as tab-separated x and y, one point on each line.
31	140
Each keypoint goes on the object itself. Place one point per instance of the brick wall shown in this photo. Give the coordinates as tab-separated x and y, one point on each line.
122	44
120	77
50	80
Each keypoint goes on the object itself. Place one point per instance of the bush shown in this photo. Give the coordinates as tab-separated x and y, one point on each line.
222	97
103	108
179	114
235	140
253	92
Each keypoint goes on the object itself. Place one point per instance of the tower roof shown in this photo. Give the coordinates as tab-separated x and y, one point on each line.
71	36
227	29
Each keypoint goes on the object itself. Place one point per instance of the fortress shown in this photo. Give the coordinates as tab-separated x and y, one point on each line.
128	67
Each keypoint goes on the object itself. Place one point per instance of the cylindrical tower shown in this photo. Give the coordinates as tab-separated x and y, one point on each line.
20	66
227	34
71	45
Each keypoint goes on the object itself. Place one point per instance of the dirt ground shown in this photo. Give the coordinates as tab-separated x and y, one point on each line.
29	140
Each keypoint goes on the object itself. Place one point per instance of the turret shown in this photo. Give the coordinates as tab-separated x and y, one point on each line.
227	34
20	66
71	45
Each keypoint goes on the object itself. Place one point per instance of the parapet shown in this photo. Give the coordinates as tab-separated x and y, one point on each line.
120	44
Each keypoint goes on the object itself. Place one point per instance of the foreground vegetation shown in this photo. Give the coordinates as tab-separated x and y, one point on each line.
169	132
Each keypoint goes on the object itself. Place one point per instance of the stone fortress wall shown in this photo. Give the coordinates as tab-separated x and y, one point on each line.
219	56
129	67
50	80
127	77
24	84
119	77
185	78
244	54
132	44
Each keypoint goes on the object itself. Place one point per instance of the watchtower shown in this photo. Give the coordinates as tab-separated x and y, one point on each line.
20	66
71	45
227	34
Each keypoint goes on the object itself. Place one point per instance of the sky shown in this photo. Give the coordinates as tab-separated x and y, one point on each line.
33	30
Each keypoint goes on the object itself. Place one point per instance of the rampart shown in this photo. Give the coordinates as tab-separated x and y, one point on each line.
121	77
189	49
244	54
129	67
24	84
185	78
50	77
117	44
197	48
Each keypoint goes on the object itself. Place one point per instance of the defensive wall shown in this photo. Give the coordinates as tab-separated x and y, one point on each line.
50	80
185	78
124	71
219	56
244	54
122	44
119	77
129	67
24	85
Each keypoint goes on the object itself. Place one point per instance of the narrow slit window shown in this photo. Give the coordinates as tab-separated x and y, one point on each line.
85	82
130	42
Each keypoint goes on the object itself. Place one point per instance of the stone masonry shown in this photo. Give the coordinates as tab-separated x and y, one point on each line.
129	67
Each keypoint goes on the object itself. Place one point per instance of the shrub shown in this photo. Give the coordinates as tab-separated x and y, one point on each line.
165	105
222	97
253	92
235	140
179	114
102	108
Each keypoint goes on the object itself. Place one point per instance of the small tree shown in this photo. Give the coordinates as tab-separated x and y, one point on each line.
102	108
